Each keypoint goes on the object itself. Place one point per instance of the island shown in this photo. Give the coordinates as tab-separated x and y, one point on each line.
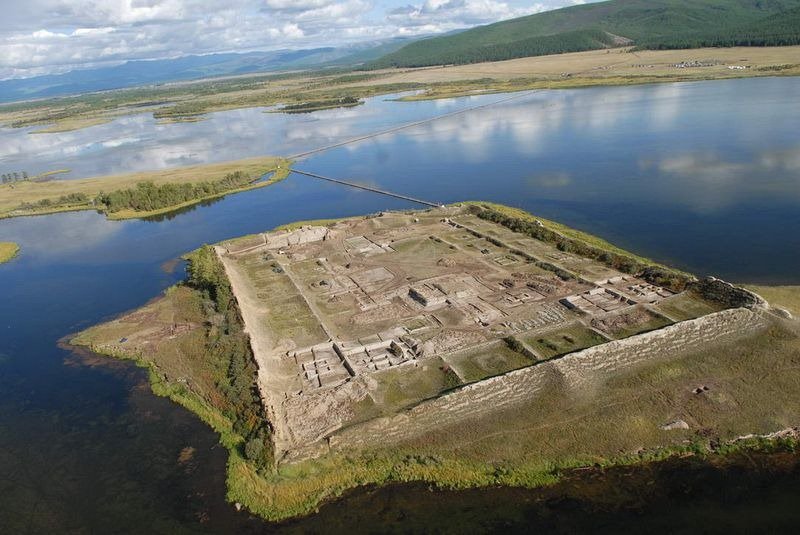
8	250
318	105
464	346
142	194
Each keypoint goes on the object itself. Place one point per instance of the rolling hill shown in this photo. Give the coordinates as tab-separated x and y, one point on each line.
645	23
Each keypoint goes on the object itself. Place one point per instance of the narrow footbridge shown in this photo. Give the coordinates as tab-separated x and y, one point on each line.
388	131
367	188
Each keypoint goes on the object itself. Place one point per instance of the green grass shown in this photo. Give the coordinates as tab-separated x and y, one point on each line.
422	247
754	387
476	364
276	292
565	340
686	306
562	229
306	223
640	320
8	250
787	297
407	385
299	489
582	244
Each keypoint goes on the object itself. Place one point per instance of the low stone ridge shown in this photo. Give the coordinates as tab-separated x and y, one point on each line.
577	371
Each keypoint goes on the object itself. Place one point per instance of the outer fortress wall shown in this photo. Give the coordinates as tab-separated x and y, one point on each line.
577	372
729	295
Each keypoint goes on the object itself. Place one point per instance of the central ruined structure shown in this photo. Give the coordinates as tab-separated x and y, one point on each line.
355	323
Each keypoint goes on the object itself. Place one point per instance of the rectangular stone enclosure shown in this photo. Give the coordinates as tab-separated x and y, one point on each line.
364	317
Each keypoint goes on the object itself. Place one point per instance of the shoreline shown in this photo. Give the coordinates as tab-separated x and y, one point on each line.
584	83
785	440
279	167
560	71
298	488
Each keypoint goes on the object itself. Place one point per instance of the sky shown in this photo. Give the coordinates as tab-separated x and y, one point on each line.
52	36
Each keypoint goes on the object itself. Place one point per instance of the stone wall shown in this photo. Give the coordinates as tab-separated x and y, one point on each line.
279	240
727	294
577	372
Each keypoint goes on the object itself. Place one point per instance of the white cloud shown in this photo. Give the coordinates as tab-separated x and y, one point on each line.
448	14
706	181
297	5
39	36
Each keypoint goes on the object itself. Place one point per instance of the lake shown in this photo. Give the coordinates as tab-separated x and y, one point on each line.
702	176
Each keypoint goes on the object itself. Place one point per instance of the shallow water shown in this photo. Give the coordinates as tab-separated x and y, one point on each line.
704	176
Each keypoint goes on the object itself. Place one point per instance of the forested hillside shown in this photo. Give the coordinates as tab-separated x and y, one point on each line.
781	29
645	23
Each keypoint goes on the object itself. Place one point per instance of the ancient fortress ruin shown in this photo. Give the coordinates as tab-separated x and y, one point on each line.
370	330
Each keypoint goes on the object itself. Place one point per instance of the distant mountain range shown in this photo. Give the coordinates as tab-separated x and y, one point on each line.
653	24
134	73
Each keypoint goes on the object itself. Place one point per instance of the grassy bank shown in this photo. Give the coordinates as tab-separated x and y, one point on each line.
723	390
277	175
8	250
35	198
193	344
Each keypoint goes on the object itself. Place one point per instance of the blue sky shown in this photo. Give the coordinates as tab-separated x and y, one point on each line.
49	36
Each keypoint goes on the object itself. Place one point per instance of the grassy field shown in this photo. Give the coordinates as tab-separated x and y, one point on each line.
403	387
8	250
635	321
13	195
561	229
563	340
686	307
599	67
476	364
787	297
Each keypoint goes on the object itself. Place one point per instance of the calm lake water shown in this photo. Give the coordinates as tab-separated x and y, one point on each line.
703	176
